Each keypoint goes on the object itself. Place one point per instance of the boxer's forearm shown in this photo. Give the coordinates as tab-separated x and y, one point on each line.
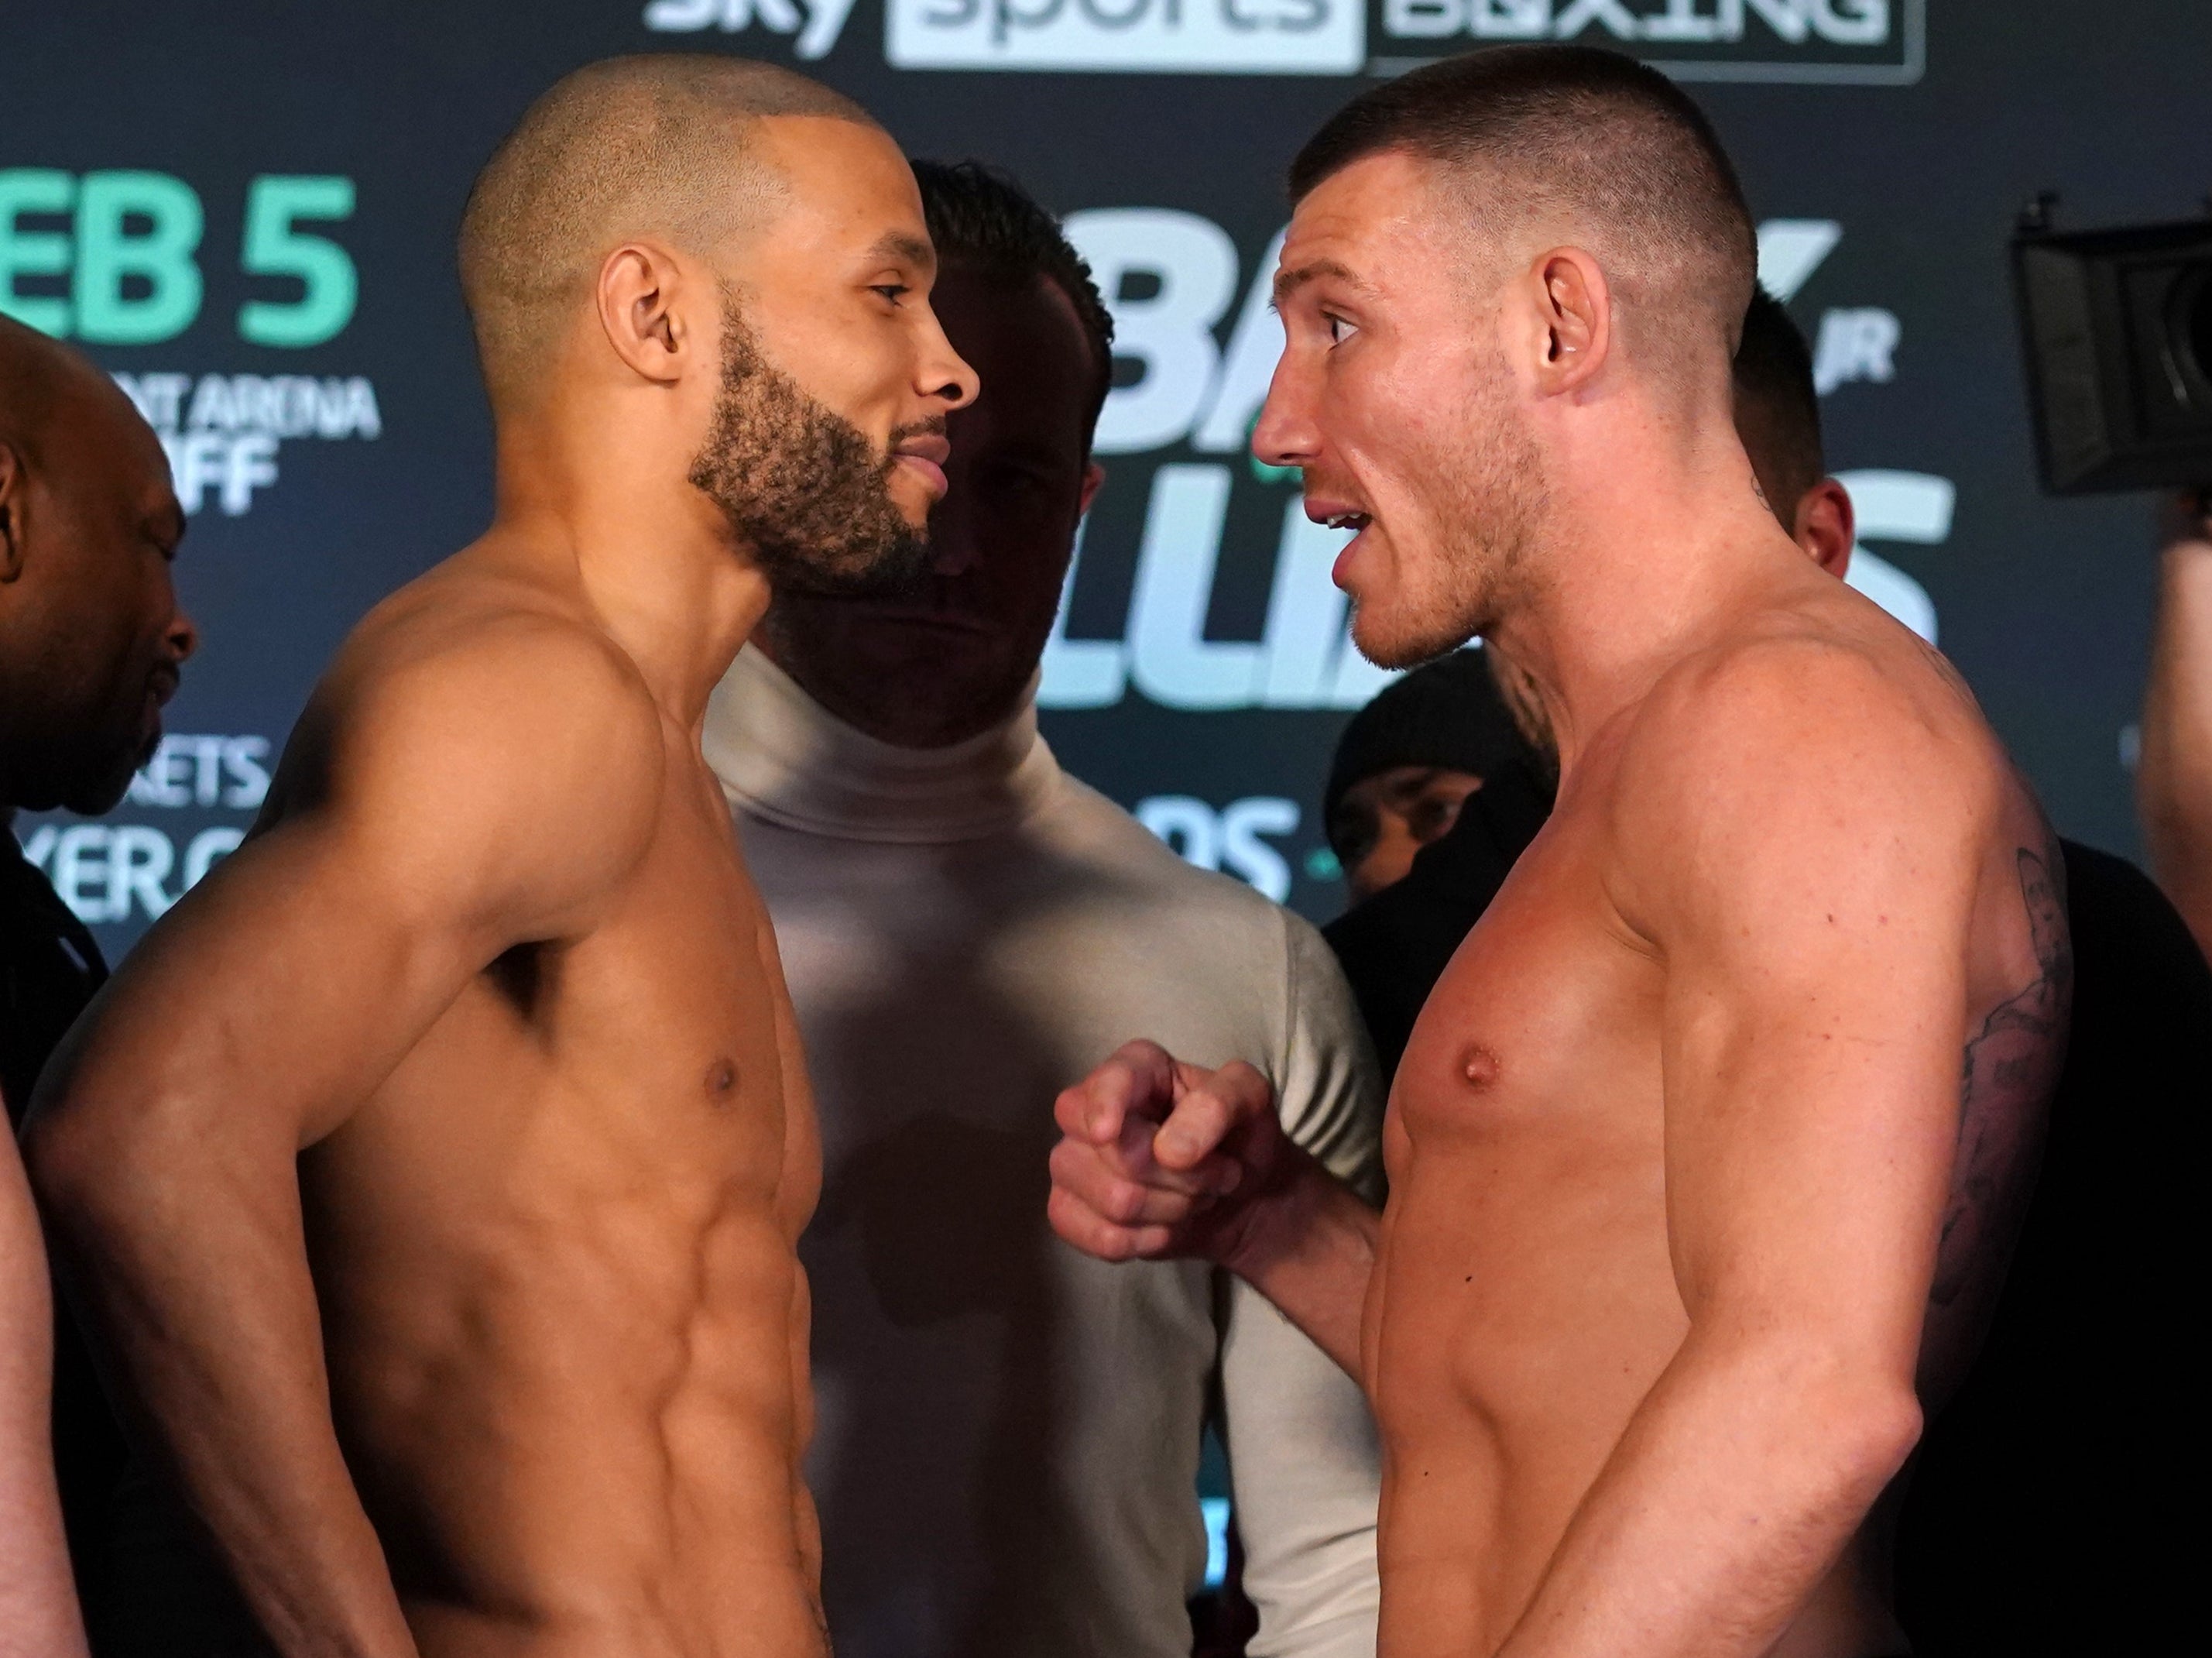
2174	781
192	1263
1737	1483
1309	1246
38	1616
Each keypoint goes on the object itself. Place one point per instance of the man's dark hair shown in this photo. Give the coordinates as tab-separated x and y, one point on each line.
985	224
1777	408
1610	152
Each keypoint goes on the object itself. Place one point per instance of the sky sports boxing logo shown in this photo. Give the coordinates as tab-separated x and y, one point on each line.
1876	42
1869	42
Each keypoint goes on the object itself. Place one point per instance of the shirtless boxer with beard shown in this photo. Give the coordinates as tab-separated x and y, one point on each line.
1684	1173
516	1364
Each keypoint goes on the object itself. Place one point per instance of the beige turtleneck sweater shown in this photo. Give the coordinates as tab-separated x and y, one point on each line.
1008	1432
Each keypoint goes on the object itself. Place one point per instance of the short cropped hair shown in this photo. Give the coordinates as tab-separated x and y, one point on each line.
984	224
656	145
1777	408
1583	137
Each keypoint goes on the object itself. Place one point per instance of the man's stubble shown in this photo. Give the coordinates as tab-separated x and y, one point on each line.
1487	498
799	483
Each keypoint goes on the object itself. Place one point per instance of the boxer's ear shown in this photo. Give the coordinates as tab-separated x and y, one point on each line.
640	295
1826	527
1575	309
15	485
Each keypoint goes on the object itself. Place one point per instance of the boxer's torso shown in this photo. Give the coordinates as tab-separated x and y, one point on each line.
1525	1300
563	1316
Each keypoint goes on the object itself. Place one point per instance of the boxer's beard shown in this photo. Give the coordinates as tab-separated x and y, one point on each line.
800	484
1487	500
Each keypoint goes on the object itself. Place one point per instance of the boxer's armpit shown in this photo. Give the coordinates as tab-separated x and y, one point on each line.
2010	1065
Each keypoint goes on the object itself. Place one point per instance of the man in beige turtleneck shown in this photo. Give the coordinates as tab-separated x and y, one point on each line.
1008	1431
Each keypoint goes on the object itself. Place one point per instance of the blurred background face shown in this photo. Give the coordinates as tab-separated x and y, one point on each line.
91	637
1383	821
954	653
1396	399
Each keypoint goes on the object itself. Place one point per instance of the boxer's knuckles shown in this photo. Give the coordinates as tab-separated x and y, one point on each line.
1082	1228
1126	1190
1216	1109
1137	1079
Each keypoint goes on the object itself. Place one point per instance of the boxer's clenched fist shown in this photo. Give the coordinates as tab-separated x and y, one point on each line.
1159	1158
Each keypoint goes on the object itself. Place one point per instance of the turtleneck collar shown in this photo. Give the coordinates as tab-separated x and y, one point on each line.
782	756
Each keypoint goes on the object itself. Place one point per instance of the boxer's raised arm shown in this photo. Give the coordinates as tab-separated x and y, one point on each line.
1800	847
430	813
1160	1159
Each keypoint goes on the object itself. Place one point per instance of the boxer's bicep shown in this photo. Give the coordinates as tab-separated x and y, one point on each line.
1807	882
446	819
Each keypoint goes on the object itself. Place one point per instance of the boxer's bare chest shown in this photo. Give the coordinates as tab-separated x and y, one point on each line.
1525	1262
1524	1298
647	1053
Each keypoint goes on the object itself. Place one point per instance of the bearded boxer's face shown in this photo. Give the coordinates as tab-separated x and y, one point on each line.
826	447
1395	398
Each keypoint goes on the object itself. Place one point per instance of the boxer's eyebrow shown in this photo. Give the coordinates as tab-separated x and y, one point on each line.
905	249
1289	282
166	528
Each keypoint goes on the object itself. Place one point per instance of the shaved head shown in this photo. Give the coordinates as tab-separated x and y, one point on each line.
654	146
35	373
1541	146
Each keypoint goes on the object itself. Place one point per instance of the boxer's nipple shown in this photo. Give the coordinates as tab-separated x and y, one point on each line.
722	1083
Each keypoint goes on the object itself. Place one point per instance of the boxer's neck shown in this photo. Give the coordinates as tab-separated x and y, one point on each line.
605	507
1645	545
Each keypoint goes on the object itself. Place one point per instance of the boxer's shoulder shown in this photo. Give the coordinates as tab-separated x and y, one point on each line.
1817	741
1852	694
478	733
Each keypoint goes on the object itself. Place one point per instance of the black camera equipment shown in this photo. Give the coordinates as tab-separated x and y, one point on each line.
2117	325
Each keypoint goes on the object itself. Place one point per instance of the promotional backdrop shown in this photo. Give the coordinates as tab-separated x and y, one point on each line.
246	211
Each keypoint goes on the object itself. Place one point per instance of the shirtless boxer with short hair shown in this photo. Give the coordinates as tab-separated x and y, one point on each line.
517	1363
1681	1160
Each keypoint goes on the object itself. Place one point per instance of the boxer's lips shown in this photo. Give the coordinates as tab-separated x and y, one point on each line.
1337	514
927	455
160	686
1340	514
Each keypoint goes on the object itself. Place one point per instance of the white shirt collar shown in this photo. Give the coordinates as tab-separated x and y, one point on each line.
783	756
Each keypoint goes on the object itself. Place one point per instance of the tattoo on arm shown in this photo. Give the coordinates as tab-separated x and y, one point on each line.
2010	1066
